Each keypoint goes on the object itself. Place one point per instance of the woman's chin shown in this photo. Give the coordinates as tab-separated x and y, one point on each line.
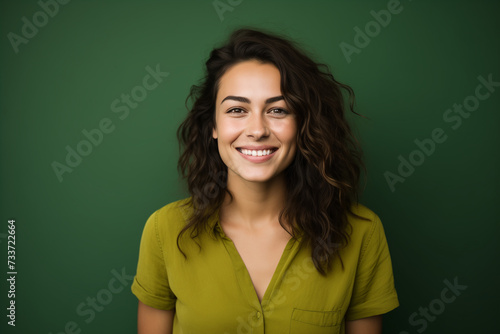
259	178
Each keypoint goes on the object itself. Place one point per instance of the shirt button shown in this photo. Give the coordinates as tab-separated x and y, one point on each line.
258	315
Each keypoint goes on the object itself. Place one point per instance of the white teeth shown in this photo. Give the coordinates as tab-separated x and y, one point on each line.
255	153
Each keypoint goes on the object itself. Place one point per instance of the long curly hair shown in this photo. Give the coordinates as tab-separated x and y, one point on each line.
322	181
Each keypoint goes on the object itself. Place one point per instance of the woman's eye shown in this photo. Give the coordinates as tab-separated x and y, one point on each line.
235	111
279	111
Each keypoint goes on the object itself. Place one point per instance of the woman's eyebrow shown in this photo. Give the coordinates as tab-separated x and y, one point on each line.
246	100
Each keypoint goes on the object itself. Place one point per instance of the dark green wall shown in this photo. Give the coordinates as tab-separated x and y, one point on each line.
76	233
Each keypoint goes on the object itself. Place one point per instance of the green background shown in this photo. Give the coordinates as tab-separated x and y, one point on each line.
441	223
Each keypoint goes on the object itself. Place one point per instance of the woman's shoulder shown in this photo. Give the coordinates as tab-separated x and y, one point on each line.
173	214
176	207
364	222
169	218
363	211
164	224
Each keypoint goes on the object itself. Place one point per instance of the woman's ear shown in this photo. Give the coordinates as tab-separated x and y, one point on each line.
214	133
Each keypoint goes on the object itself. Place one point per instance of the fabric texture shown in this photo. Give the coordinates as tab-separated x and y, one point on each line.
212	292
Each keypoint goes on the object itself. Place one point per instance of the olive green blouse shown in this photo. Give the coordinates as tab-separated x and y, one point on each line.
212	291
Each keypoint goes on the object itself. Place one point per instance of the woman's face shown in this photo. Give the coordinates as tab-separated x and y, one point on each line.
255	130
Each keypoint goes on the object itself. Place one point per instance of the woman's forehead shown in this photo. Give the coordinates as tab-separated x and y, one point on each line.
252	80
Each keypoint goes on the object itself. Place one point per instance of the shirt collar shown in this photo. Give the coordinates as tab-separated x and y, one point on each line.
213	223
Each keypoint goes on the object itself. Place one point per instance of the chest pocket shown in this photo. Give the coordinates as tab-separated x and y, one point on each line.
315	322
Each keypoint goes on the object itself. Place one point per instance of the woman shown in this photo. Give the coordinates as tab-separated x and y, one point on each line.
272	238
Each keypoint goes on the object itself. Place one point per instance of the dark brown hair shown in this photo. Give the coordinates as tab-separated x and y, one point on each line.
322	181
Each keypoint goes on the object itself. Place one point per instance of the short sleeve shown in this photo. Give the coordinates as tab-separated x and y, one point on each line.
374	292
150	283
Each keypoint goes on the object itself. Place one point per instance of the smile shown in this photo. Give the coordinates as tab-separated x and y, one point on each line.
256	153
257	156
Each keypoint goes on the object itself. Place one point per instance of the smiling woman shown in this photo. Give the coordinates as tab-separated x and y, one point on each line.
280	243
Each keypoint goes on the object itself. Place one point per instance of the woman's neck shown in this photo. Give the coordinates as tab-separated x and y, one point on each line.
255	205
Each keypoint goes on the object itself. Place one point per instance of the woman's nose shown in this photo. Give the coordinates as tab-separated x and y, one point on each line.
257	126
